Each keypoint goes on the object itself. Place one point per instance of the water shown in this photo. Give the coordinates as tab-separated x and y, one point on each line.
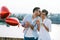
55	32
17	32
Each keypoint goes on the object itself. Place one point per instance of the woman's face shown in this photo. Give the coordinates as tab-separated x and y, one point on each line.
43	15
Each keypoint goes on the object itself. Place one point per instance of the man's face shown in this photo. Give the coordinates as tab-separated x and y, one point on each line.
37	12
43	14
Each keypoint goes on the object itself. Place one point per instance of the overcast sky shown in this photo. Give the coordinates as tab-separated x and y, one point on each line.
26	6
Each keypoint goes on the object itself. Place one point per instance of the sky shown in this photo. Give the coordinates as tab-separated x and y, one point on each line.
26	6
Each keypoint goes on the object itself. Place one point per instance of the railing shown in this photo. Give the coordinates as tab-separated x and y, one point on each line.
4	38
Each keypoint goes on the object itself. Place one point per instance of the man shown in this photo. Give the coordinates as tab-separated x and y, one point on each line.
29	23
45	27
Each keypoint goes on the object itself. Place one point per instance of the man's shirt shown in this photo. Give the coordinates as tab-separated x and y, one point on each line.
28	32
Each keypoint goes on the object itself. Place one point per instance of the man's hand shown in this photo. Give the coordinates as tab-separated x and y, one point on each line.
26	24
38	22
30	25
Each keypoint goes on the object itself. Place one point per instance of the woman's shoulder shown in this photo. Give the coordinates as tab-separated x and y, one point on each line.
48	20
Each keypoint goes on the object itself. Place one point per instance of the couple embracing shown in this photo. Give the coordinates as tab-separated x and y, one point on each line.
37	22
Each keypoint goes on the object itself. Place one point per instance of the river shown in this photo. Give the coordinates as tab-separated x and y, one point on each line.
17	32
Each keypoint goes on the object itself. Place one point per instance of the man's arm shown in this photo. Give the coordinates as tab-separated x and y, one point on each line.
30	25
23	22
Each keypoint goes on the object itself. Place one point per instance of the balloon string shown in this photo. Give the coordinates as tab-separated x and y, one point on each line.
18	24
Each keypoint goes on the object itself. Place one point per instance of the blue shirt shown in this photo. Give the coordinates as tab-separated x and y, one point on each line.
28	31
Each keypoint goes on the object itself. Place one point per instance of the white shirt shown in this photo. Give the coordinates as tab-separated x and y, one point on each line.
43	33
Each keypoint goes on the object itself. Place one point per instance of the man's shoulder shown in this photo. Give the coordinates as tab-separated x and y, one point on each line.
39	18
28	15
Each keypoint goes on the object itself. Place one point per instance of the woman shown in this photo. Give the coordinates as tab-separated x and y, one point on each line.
45	26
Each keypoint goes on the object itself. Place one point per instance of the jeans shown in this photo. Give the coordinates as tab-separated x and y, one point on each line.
30	38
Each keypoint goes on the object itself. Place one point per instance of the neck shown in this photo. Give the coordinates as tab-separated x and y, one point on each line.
43	19
34	16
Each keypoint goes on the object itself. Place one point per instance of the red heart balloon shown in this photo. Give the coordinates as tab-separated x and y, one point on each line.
12	21
4	12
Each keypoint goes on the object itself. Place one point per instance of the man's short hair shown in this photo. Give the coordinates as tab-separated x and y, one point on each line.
45	11
36	8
